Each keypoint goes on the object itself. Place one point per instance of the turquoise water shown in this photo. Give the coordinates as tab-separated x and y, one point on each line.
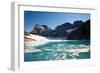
57	50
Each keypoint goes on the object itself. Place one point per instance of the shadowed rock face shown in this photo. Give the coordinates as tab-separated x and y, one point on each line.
86	30
82	32
62	30
76	31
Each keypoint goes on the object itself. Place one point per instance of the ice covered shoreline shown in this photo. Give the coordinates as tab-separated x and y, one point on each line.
39	40
32	40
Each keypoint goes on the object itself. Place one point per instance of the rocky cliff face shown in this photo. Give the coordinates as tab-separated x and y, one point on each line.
82	32
62	30
42	30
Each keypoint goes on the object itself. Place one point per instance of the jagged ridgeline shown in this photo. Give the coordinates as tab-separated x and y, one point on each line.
77	31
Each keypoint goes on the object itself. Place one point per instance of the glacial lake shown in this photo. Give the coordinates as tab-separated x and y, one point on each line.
59	50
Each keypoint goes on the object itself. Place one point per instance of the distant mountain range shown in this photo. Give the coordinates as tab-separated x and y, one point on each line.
77	31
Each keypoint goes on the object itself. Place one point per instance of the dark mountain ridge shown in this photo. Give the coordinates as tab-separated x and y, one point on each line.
76	31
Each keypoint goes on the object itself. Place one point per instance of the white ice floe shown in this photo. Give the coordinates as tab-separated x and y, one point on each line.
31	50
70	50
